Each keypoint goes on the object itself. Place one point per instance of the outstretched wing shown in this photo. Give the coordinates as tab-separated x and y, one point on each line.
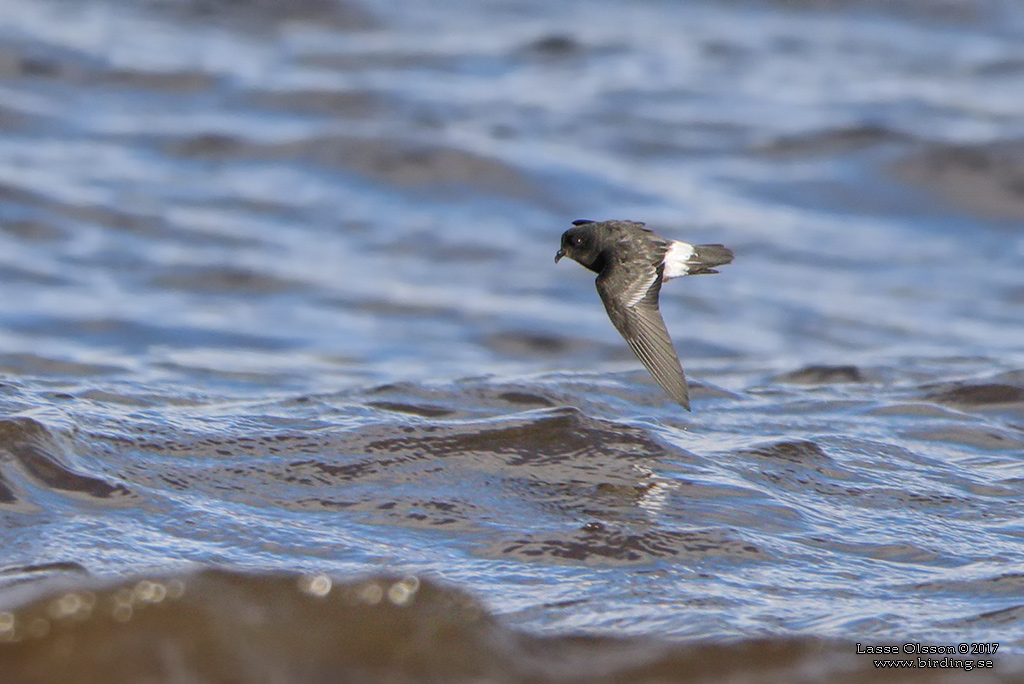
631	300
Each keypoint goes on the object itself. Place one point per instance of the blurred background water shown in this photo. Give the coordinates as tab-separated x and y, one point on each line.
277	295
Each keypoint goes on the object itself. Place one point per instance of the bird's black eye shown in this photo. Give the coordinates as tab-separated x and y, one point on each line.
576	241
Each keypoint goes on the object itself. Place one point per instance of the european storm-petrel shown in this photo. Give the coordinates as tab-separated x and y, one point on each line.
631	263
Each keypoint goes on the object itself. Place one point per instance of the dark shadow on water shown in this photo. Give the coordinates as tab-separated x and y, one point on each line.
224	626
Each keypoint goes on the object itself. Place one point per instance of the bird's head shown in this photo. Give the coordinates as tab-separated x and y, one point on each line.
582	244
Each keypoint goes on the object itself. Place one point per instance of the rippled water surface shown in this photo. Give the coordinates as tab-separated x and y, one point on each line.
277	295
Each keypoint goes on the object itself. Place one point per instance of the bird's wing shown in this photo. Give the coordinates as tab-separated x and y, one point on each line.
638	288
638	320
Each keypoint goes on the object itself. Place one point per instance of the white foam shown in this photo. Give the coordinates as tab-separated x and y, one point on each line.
677	259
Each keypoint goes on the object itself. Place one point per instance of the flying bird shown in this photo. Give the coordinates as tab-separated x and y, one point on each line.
631	263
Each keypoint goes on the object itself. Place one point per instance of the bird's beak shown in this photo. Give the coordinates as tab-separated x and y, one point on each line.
559	255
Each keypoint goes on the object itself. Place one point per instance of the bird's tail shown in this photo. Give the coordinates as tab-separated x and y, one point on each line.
683	259
706	257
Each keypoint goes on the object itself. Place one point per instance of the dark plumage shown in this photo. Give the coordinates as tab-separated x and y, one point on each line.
631	263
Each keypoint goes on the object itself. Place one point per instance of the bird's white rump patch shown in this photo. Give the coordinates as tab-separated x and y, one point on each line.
677	259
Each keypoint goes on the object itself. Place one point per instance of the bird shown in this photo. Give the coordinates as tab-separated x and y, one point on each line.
631	263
